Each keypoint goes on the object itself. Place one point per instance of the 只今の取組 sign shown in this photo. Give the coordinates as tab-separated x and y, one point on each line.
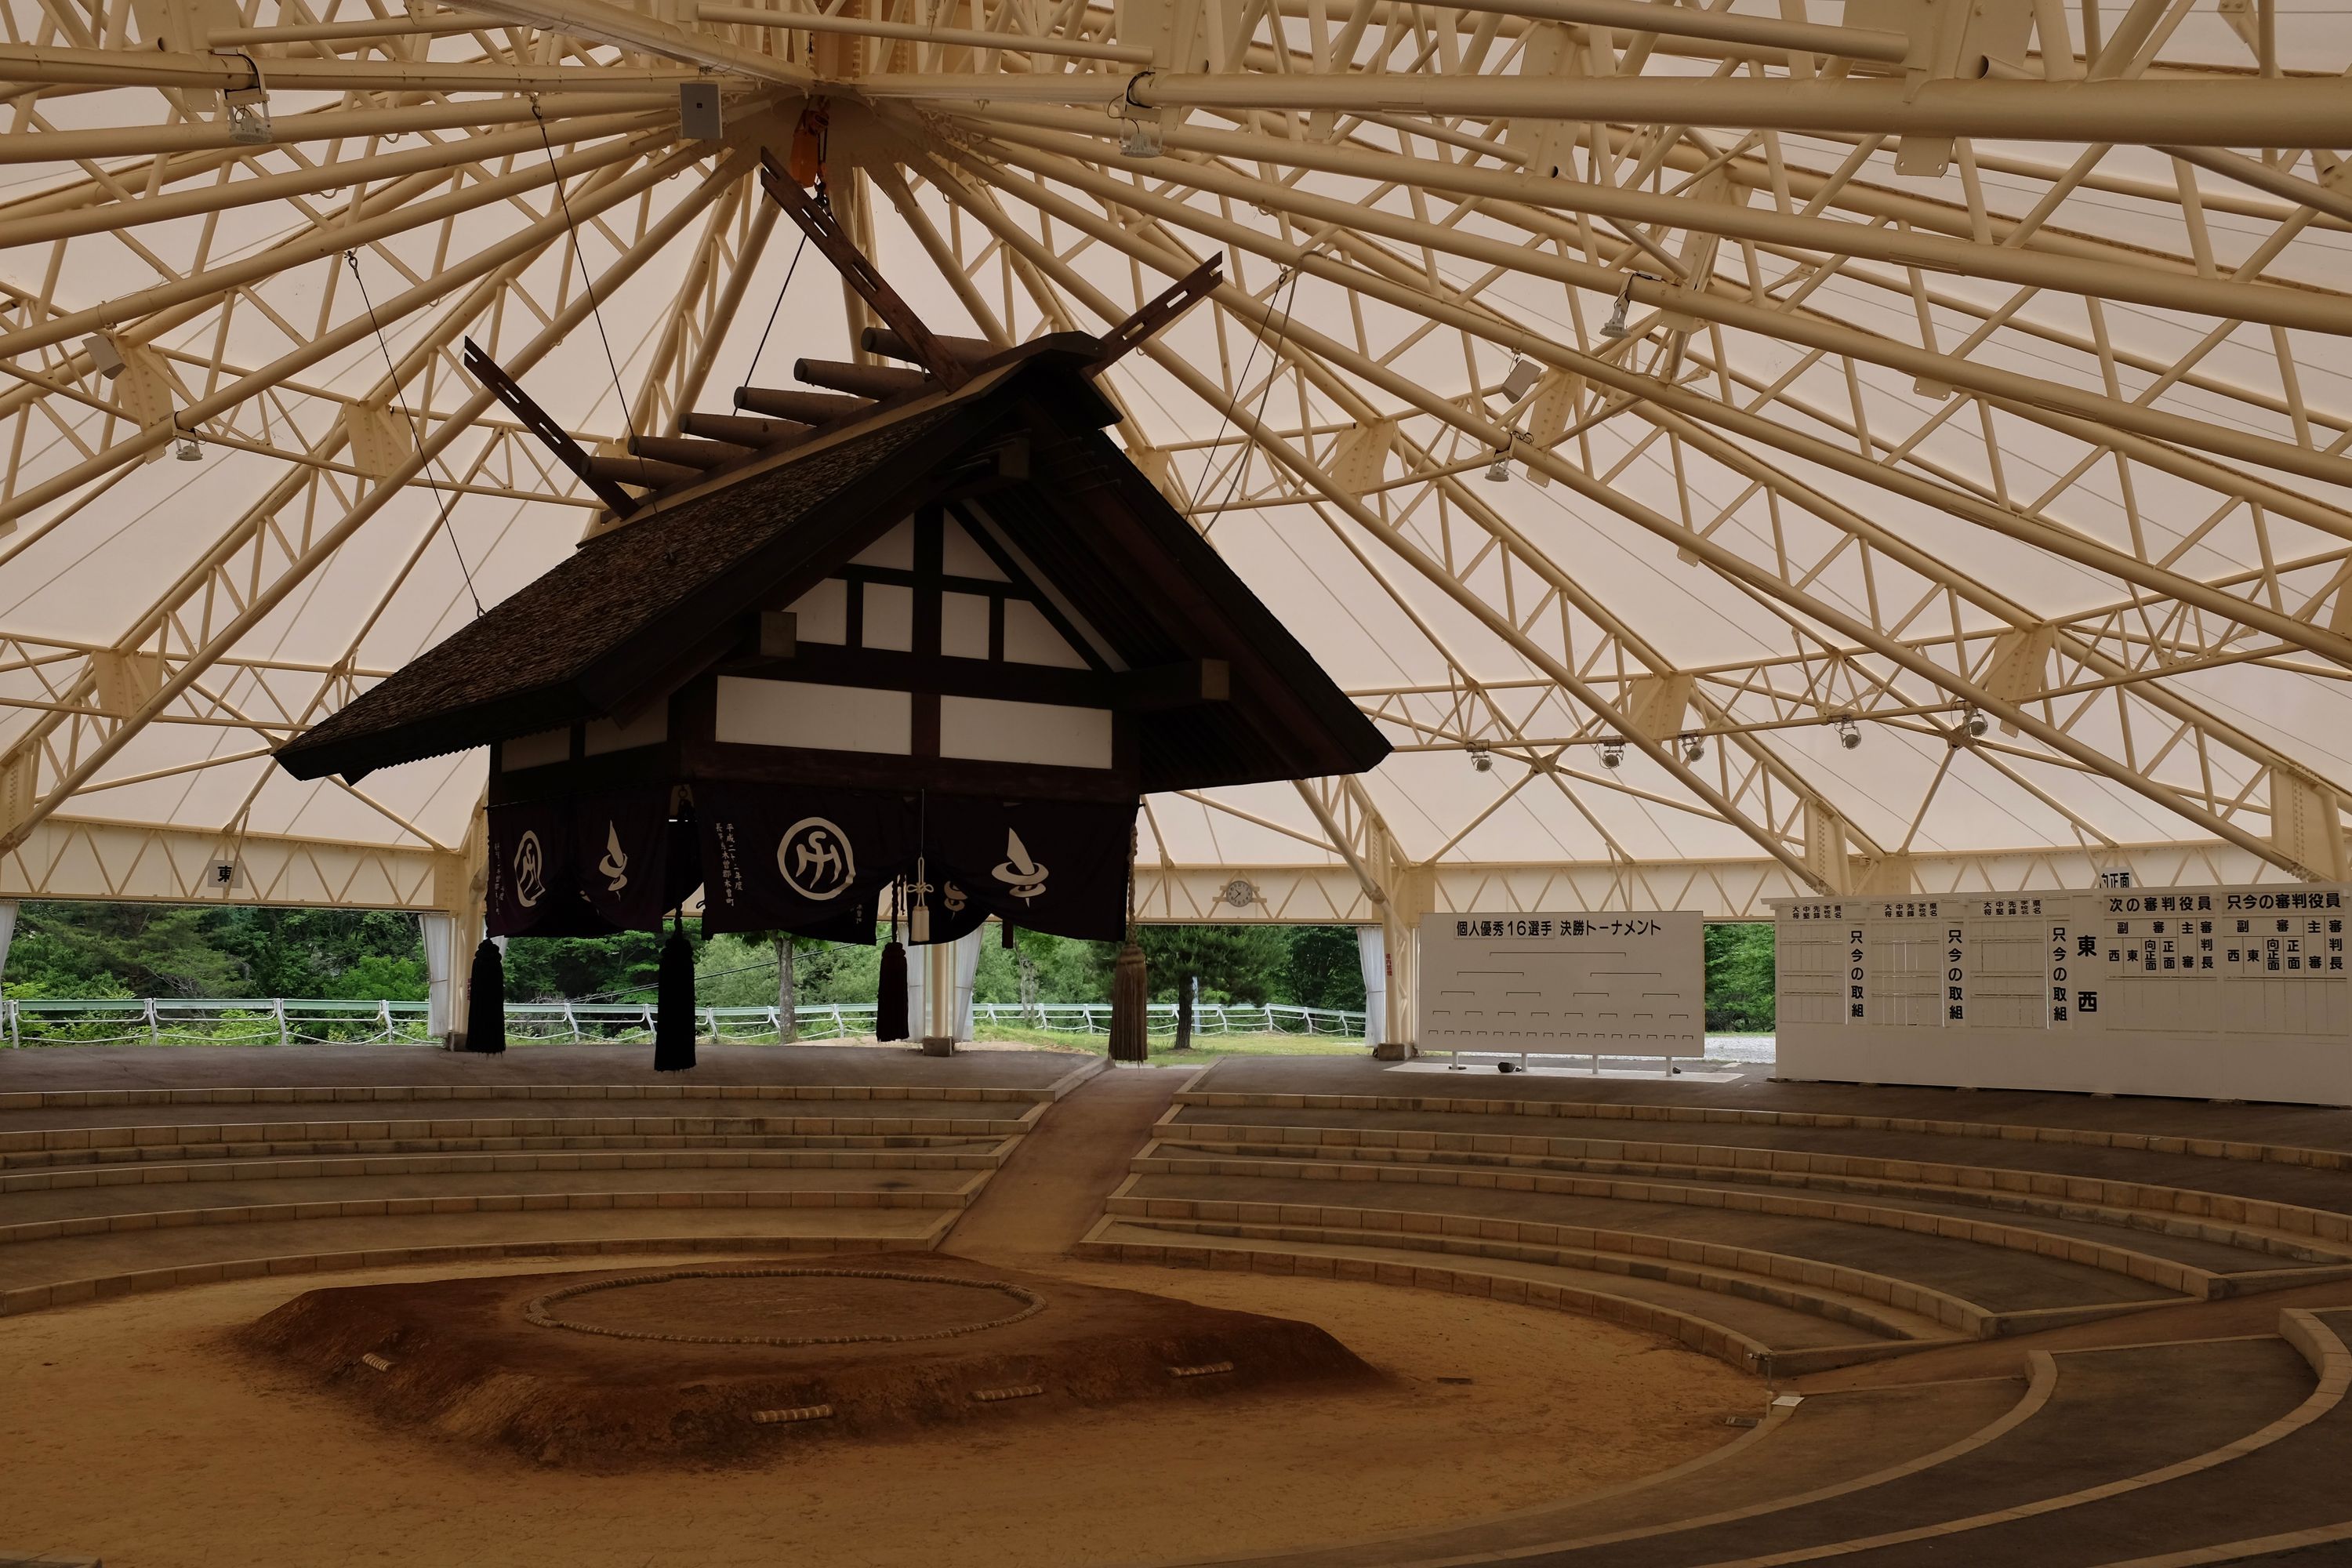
1628	985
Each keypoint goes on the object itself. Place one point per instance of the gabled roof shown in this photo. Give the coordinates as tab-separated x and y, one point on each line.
643	607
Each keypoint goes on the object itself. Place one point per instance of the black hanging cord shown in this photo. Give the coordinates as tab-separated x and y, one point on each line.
1241	470
447	504
752	368
571	234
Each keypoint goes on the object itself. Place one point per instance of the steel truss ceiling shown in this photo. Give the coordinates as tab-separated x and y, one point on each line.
1926	467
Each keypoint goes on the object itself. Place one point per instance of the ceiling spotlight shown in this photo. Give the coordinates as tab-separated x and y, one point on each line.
1140	137
1977	725
1481	758
1849	733
1612	753
1615	326
1499	472
1694	748
188	451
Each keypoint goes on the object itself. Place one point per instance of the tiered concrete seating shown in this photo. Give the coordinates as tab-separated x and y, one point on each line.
1798	1235
1751	1234
103	1191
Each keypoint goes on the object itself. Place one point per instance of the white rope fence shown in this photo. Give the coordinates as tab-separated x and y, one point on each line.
290	1021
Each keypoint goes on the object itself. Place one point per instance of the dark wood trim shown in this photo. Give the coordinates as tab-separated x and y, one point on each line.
858	573
930	556
861	770
983	536
1187	683
640	767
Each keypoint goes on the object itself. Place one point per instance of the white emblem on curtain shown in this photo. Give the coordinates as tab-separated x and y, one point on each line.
816	859
1022	877
530	871
616	864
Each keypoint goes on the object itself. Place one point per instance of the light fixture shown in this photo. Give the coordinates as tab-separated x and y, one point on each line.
1694	748
1140	137
1612	753
1849	733
247	108
1481	758
248	117
1499	472
1977	725
1615	326
188	451
1521	379
104	357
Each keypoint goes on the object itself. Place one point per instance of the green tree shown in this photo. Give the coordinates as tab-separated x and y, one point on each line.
1740	976
573	968
1324	968
1232	963
120	950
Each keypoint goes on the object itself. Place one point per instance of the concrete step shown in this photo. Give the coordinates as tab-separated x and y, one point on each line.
2282	1231
298	1148
2003	1272
97	1100
1724	1271
2299	1177
81	1269
970	1156
1749	1334
296	1126
2285	1476
1818	1446
2110	1417
33	1218
532	1069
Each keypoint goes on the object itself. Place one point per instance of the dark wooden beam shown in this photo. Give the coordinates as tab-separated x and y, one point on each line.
1187	683
744	431
817	223
860	380
890	345
646	471
1173	301
943	775
803	407
552	436
687	451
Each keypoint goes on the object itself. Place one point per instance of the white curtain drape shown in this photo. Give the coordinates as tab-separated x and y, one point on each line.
966	960
1372	951
8	931
440	931
967	968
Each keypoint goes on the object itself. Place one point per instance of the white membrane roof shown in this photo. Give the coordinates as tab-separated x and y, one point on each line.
1981	398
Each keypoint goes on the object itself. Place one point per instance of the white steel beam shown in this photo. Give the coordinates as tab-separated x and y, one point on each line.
83	857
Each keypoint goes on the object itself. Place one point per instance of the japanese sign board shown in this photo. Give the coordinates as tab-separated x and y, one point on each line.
2117	989
1625	984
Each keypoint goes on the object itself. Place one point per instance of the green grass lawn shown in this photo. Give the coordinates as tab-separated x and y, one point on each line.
1205	1047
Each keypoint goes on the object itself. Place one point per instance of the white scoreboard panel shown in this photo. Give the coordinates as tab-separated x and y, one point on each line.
2235	993
1627	984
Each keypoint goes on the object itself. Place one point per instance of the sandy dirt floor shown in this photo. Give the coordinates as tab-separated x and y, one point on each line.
131	1430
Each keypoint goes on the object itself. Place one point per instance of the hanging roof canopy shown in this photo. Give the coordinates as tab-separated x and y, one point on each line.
1160	631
